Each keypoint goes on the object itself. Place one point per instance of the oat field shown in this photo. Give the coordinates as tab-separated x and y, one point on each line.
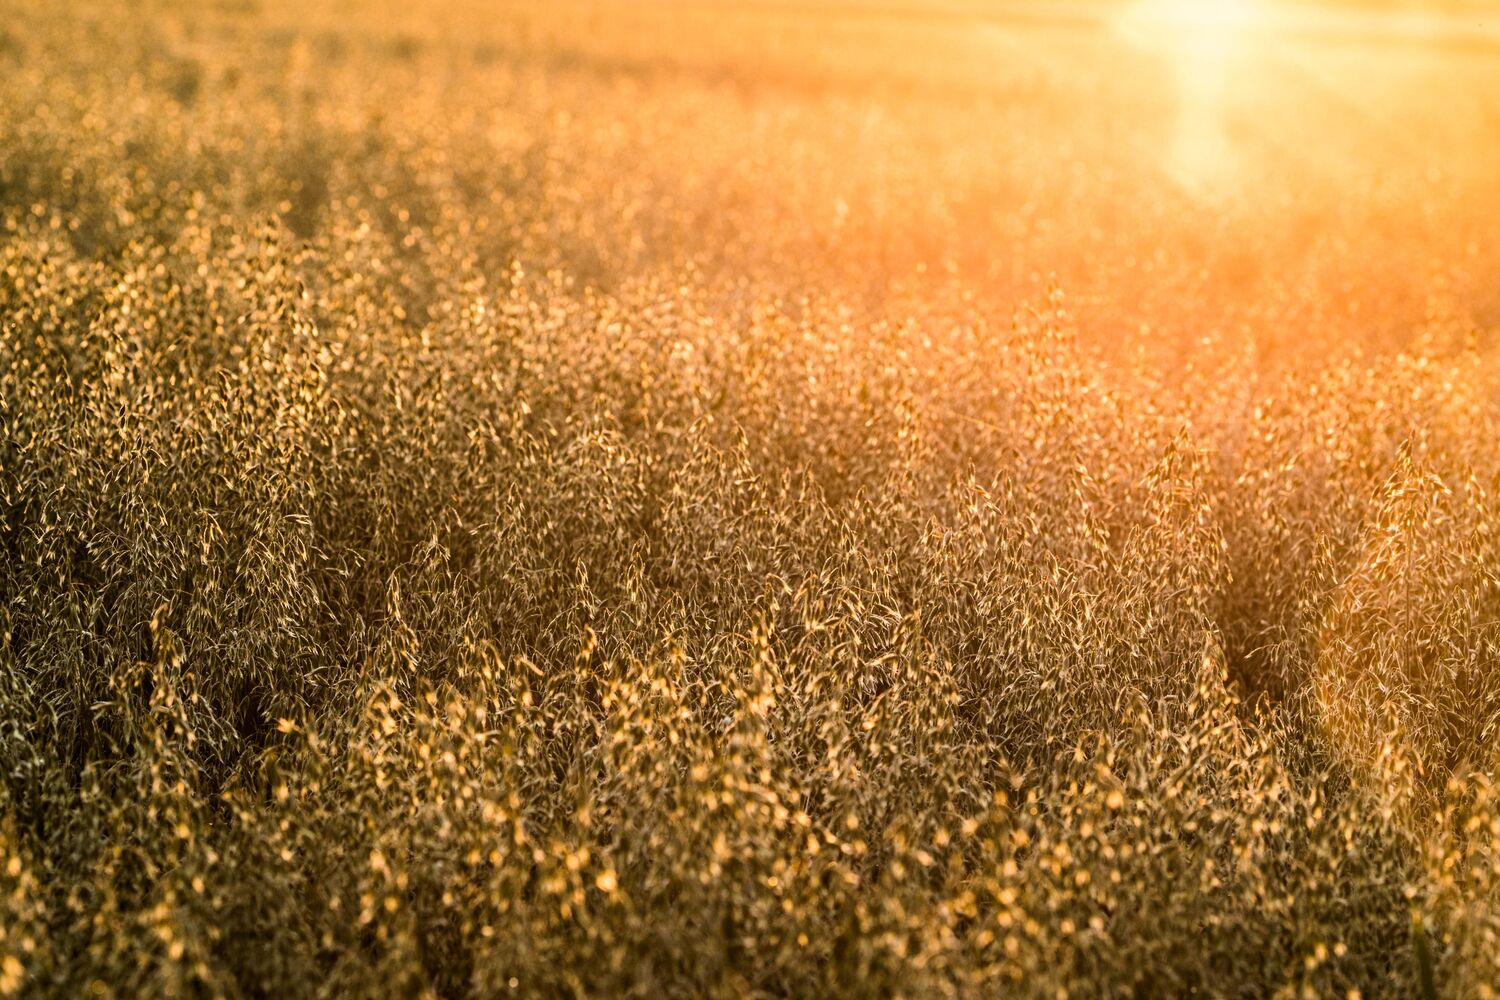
780	498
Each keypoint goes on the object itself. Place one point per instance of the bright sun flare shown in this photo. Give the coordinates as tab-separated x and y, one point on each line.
1202	33
1210	20
1202	41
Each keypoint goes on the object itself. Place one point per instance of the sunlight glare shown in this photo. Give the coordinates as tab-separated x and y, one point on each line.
1203	42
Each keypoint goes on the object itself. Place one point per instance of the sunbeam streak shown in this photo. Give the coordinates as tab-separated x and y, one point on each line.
1205	45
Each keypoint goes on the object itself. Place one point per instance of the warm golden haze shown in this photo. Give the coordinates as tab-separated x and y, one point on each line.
793	498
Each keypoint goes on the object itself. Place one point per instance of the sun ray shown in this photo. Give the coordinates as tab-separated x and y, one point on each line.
1205	43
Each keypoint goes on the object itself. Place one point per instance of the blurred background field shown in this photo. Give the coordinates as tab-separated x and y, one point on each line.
1313	170
775	498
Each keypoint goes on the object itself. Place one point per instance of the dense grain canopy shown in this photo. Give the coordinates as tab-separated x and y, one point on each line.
869	498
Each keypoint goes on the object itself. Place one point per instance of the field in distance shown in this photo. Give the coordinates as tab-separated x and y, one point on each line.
786	498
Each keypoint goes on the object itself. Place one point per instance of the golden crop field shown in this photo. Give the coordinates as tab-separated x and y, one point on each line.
777	498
